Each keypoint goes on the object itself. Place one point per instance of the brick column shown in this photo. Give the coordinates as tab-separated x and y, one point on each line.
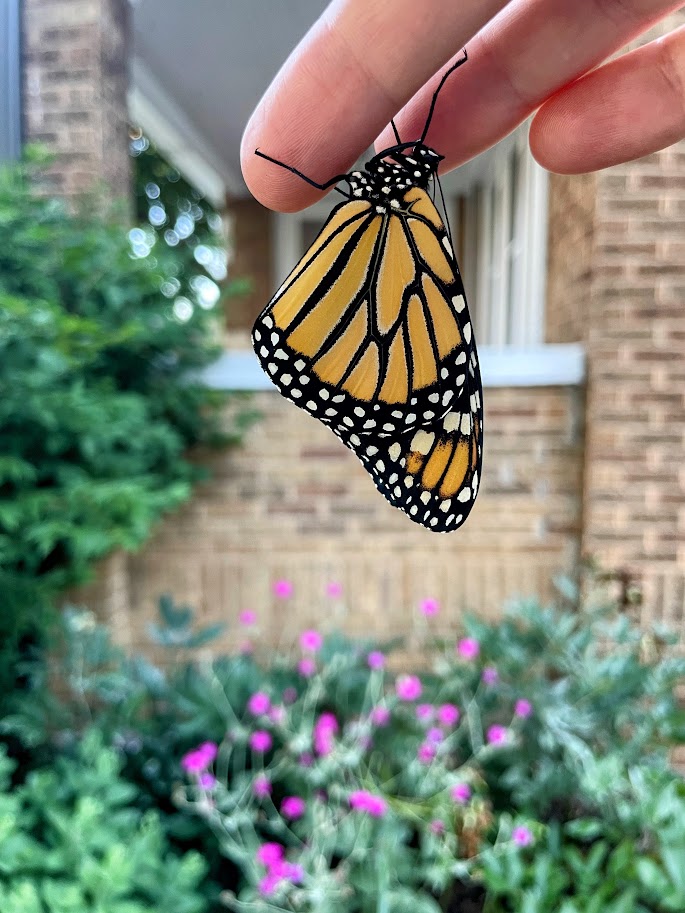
75	69
250	228
635	480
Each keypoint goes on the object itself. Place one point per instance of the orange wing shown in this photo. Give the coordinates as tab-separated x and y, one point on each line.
370	332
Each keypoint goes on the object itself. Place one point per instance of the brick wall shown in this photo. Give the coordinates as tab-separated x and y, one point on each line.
75	77
250	229
293	502
634	502
569	255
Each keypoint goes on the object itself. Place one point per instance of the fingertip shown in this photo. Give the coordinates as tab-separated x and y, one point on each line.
270	185
548	139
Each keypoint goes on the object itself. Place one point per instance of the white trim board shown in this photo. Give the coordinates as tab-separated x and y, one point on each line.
560	365
174	134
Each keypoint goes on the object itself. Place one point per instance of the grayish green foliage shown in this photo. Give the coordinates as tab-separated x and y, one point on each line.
73	841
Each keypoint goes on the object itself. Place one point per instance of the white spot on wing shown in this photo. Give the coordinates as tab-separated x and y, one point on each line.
451	421
422	441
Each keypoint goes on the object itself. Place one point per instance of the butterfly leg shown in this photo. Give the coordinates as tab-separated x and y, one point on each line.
326	186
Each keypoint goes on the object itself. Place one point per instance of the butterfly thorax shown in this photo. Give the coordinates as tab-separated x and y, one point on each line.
390	174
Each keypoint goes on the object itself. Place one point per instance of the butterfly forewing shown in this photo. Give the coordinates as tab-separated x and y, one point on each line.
366	333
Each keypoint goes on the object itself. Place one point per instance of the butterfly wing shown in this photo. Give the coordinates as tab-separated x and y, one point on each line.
431	473
370	333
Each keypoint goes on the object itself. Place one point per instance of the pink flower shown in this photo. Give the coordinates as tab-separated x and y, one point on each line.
198	760
283	589
448	714
268	884
461	793
293	807
490	675
209	751
247	618
363	801
289	695
497	735
408	687
426	752
269	854
327	721
290	871
278	871
429	607
375	659
261	786
193	762
260	741
259	703
306	667
523	708
437	827
324	731
334	589
425	712
306	759
277	715
380	716
468	648
522	836
435	734
207	781
311	641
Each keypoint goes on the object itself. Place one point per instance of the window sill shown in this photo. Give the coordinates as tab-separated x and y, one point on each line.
536	366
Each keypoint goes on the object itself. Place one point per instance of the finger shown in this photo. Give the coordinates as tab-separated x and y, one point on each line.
529	51
356	67
628	108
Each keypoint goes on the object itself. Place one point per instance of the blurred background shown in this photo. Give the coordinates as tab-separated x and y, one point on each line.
576	288
142	450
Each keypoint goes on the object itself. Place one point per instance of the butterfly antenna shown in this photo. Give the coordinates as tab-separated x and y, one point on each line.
445	75
395	131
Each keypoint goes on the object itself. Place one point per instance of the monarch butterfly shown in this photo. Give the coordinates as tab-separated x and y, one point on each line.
371	334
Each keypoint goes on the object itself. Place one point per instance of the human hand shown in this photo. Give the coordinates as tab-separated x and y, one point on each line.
365	60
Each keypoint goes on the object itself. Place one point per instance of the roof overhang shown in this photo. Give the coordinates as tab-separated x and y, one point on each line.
198	72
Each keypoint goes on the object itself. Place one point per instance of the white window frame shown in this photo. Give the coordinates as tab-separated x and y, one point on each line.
506	234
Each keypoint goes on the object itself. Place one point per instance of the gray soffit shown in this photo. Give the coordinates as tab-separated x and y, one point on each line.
200	68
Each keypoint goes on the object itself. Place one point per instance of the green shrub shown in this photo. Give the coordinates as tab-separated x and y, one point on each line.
72	841
549	791
99	401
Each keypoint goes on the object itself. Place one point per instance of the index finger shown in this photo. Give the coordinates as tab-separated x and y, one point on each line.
358	65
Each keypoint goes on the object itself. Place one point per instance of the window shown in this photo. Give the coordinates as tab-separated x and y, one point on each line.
501	229
10	81
498	214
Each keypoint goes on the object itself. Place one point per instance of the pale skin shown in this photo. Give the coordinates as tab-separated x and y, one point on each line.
365	61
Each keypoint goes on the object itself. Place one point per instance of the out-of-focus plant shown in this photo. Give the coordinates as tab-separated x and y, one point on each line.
72	840
99	398
525	769
175	218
